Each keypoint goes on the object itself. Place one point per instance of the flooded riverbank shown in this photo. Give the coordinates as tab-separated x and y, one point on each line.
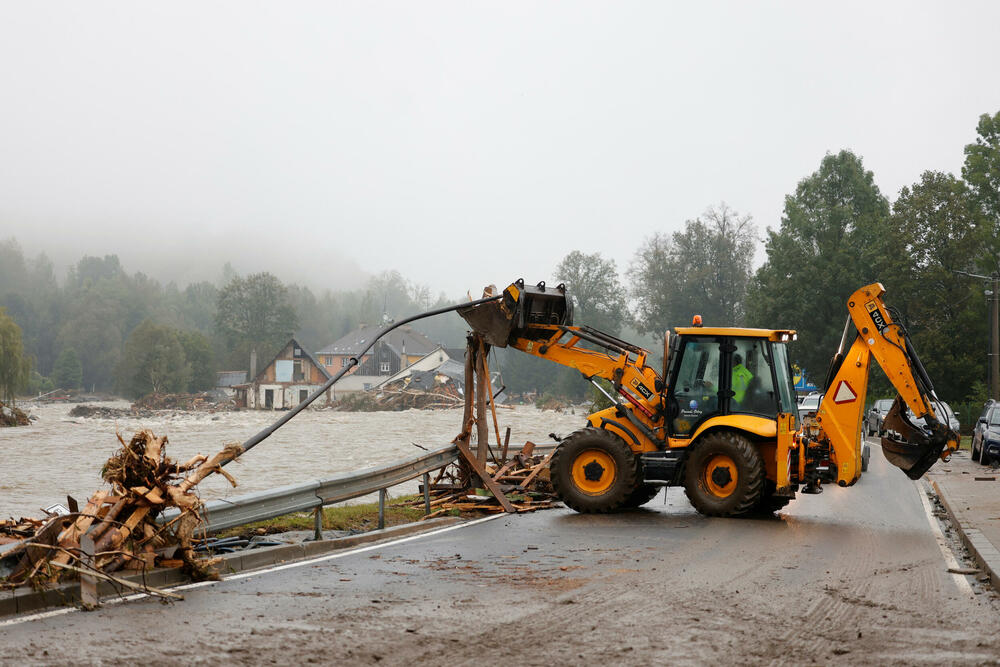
59	454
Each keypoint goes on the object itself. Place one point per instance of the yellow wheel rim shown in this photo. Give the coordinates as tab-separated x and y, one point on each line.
720	476
594	472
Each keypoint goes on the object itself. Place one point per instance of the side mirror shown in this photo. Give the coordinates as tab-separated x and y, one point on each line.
982	420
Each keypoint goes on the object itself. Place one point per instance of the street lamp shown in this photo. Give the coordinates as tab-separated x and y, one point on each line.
994	354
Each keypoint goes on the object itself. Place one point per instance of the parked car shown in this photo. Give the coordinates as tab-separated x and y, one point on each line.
943	412
809	404
986	436
875	415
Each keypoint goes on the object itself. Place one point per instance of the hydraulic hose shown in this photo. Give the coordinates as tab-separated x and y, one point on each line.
352	362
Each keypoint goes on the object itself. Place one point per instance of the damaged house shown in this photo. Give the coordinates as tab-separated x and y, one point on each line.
285	382
396	351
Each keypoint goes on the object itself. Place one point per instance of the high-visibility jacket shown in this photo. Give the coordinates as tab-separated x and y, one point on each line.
741	380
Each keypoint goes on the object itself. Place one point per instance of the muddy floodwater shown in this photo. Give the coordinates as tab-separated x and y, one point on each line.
59	455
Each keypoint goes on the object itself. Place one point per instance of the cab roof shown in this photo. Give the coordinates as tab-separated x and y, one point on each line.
770	334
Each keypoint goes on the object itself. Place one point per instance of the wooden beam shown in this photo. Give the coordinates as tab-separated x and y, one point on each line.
538	469
482	425
463	449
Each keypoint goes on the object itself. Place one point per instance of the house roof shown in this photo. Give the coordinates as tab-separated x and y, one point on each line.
230	378
306	353
399	339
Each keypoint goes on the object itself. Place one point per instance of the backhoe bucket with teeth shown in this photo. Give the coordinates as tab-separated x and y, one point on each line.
521	305
911	448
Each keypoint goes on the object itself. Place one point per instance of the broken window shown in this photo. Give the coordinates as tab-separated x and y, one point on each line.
297	372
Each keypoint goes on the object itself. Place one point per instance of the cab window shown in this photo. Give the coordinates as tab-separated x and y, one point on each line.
696	387
783	371
751	386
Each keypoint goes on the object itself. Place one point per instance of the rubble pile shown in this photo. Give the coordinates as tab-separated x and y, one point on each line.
524	481
118	526
148	406
11	416
204	401
103	412
552	403
398	397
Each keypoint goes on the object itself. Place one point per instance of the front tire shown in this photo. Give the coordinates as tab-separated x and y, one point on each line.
724	475
594	471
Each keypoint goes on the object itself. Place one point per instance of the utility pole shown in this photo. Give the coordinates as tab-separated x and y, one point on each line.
995	339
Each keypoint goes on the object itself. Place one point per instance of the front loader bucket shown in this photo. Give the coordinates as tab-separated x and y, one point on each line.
911	448
520	306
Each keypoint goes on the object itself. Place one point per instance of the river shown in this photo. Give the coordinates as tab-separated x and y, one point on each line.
59	455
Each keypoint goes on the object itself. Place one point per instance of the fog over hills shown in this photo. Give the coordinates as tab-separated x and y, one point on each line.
184	260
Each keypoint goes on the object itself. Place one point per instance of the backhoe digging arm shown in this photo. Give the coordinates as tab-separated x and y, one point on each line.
907	446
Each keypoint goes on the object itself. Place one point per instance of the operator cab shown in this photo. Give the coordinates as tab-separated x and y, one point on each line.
727	371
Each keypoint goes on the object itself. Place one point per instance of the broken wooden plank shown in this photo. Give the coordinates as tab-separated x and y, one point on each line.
538	468
463	449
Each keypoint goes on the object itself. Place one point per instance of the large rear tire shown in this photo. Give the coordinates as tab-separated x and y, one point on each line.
724	475
770	503
593	471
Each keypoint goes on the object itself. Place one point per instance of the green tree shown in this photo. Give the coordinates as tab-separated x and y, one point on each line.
982	172
834	237
703	269
153	361
598	296
254	313
15	366
200	359
68	371
940	232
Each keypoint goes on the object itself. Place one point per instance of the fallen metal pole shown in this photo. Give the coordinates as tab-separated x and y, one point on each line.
354	361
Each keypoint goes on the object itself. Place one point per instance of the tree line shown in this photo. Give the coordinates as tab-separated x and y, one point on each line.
837	232
105	329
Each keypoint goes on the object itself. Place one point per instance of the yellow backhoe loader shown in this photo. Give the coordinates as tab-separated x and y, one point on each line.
720	417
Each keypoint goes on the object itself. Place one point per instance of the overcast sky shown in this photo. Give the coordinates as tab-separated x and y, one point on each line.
461	143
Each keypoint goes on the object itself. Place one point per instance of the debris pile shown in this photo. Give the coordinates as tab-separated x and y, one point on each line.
397	397
551	403
523	480
118	528
104	412
11	416
148	406
204	401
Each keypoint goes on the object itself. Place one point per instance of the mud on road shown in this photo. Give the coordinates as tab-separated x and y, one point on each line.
854	574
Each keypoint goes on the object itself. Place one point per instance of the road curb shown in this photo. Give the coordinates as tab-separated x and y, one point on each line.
23	600
983	551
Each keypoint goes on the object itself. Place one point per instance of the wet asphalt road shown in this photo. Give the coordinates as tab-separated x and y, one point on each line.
851	575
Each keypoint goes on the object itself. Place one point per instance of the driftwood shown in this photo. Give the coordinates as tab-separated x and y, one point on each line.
120	522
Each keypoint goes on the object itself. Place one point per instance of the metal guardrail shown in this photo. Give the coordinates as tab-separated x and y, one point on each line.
312	495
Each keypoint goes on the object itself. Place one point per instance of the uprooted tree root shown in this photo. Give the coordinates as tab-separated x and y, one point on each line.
121	523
